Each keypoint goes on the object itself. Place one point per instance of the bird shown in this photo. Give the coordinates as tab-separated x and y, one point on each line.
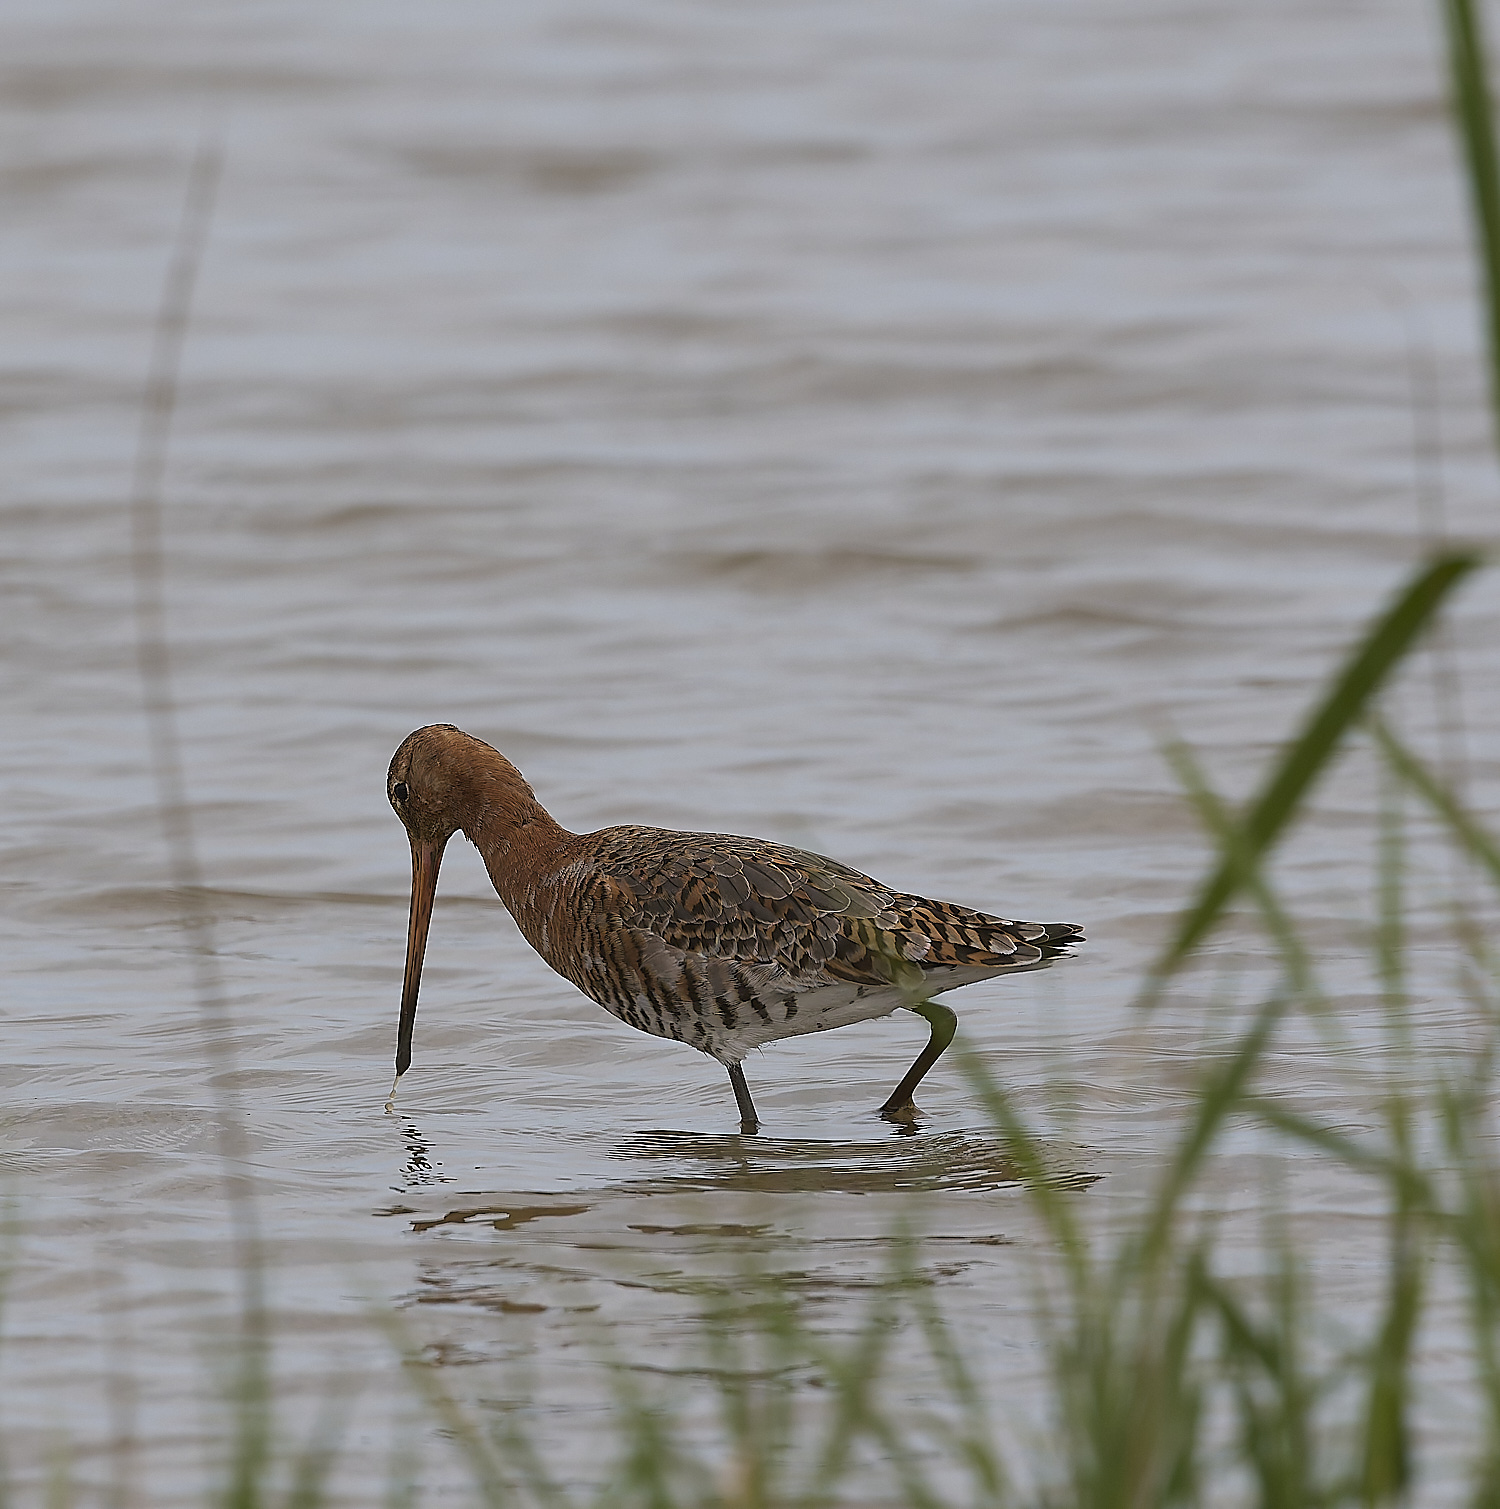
722	942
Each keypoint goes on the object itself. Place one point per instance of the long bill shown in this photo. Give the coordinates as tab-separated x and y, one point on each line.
425	859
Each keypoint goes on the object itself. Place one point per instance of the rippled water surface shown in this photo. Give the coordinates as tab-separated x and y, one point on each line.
871	426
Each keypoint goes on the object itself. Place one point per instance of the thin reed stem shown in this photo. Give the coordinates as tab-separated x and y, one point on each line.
251	1389
1474	117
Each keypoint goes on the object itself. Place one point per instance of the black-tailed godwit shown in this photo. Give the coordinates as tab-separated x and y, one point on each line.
720	942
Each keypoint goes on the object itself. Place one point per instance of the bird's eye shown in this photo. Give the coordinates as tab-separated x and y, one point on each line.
399	791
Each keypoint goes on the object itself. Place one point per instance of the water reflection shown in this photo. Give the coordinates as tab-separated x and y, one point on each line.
697	1220
501	1214
419	1168
670	1162
933	1162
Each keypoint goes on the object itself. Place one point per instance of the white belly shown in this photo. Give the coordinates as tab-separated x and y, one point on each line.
832	1006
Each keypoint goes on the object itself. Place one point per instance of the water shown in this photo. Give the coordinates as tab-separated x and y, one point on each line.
869	426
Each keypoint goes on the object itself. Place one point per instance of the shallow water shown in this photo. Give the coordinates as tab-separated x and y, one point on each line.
869	426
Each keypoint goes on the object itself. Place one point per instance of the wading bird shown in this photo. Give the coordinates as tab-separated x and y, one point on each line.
721	942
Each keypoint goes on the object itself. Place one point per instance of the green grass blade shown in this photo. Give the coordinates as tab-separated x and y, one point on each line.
1220	1094
1416	774
1390	933
1397	1172
1027	1150
313	1465
1219	821
488	1480
1345	703
852	1376
1473	116
1388	1429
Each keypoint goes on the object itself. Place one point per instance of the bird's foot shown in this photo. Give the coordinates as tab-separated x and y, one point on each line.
906	1111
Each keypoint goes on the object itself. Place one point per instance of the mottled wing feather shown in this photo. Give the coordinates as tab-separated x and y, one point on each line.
808	919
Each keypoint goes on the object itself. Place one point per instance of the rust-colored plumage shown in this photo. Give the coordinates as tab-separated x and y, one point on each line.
721	942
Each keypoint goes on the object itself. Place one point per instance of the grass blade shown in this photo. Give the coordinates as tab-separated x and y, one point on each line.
1388	1426
1473	116
1344	704
1416	774
1219	821
1220	1094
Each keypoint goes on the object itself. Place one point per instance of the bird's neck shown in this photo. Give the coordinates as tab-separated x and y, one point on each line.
517	837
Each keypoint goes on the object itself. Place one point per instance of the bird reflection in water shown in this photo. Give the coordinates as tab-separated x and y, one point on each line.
945	1161
419	1168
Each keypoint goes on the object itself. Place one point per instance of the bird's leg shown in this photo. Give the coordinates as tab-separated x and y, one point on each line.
944	1024
749	1121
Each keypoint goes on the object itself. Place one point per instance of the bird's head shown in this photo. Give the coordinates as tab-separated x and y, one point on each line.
432	787
442	780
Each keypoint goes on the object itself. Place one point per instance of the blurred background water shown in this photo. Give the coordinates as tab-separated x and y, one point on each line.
864	425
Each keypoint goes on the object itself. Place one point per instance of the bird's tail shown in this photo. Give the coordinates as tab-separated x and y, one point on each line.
1057	939
959	937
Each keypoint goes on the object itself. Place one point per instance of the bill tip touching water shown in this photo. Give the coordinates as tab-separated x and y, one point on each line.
721	942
